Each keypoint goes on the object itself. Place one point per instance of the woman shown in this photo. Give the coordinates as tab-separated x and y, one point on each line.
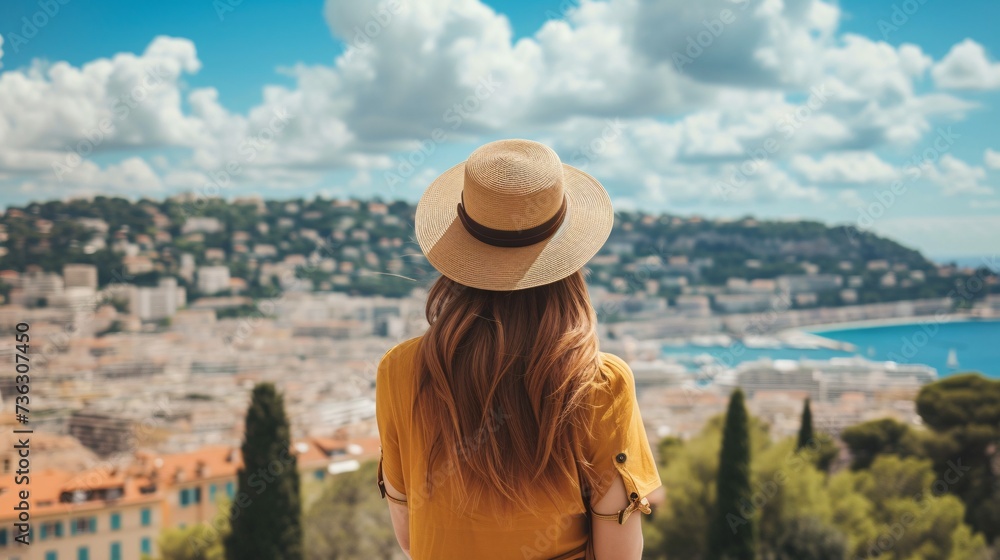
505	432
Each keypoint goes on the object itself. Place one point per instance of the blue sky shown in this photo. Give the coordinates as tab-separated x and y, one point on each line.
599	81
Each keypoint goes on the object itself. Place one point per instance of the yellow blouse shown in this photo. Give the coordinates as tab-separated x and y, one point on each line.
559	530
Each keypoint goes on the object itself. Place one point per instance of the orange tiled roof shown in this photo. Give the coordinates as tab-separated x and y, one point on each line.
47	488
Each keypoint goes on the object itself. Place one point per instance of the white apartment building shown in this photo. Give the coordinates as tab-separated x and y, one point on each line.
151	304
80	276
213	279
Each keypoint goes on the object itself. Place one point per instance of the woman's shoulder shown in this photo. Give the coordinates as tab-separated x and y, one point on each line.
400	357
616	374
614	366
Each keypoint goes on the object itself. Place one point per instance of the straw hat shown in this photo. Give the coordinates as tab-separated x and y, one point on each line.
511	217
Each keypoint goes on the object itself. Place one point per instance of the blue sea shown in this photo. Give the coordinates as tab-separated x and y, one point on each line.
972	345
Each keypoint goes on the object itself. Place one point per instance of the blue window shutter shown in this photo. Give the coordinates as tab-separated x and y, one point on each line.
93	524
116	551
146	546
59	531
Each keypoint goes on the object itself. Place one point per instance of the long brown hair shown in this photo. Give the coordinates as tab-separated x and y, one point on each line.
501	388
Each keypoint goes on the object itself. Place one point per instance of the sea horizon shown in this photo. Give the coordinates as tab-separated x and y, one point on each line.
950	345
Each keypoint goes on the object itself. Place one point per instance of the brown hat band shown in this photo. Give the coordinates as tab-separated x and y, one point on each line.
508	238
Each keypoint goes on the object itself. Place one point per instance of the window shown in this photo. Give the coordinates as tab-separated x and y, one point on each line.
52	529
146	546
146	516
51	555
318	474
3	537
83	525
197	494
116	551
82	553
230	489
211	493
116	521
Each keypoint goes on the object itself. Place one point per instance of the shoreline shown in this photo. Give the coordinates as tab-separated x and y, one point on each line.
821	328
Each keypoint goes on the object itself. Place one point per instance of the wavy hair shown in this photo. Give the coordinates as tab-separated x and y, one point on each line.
502	386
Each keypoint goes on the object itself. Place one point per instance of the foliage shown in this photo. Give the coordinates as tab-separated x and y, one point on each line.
350	521
731	534
868	440
680	530
806	427
893	510
964	413
808	538
197	542
266	512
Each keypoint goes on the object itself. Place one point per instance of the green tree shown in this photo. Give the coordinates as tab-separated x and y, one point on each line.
266	515
350	521
893	510
679	529
197	542
806	428
787	488
808	538
731	535
964	413
868	440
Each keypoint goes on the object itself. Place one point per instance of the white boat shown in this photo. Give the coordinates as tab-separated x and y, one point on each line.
952	359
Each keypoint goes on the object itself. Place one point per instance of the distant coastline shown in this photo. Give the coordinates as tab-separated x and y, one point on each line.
821	328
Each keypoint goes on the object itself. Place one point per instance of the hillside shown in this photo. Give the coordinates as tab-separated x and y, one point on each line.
366	247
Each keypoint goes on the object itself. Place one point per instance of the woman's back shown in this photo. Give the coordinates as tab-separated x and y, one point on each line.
506	433
442	528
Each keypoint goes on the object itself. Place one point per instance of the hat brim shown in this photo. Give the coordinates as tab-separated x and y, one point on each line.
455	253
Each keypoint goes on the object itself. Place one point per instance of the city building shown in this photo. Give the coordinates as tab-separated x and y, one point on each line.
213	279
161	302
827	380
80	276
117	511
201	224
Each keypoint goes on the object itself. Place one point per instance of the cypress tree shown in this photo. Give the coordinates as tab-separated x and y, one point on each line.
731	534
806	429
266	513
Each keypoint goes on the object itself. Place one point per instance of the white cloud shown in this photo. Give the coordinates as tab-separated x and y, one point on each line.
845	167
128	177
954	176
948	235
967	66
52	114
992	158
454	66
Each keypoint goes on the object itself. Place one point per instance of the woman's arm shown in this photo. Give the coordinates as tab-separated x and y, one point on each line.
611	540
400	516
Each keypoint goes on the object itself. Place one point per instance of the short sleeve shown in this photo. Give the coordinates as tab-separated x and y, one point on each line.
619	444
390	463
